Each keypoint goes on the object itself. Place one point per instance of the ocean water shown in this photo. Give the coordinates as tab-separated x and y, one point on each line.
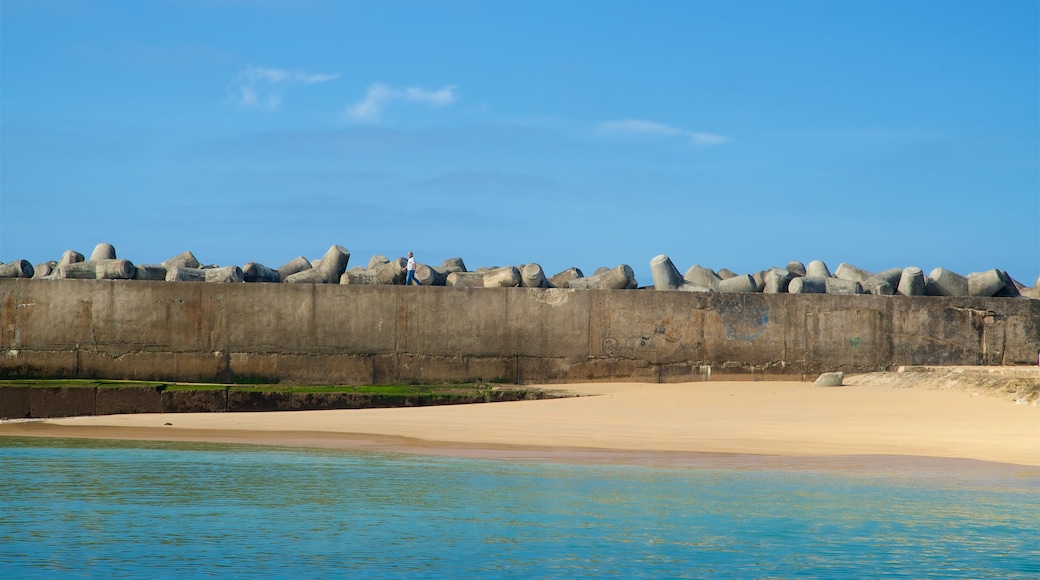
104	509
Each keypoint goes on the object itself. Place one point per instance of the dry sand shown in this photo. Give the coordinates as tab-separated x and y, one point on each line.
771	419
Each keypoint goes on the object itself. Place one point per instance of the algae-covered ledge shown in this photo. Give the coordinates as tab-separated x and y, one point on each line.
24	399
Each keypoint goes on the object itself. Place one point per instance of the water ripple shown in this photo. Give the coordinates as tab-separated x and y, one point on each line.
90	509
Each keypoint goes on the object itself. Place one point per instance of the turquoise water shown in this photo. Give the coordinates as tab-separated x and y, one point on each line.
88	508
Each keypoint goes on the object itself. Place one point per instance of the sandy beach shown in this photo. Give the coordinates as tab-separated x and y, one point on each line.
771	419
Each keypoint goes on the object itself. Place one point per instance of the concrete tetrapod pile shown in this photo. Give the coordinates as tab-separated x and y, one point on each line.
795	278
816	278
331	268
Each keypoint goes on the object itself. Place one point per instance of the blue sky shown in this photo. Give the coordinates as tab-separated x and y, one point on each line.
736	135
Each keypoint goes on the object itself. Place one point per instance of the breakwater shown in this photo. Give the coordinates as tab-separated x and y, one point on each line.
795	278
363	334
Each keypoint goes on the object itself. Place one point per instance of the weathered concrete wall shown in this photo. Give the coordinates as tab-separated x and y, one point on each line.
36	401
354	334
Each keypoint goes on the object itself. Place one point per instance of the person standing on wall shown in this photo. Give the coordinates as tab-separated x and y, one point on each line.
411	271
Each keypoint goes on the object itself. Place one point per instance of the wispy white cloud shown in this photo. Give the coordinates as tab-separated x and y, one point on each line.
636	126
708	138
379	95
654	129
263	88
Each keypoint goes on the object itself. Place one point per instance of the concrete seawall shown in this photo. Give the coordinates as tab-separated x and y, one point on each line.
352	334
38	402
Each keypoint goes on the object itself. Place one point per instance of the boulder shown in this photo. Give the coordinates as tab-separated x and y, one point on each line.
333	263
843	287
185	274
532	276
109	269
103	251
387	273
808	285
562	279
465	279
735	284
795	267
256	272
820	285
507	277
627	272
428	275
293	266
308	276
891	276
947	283
884	283
1011	289
880	288
224	274
986	284
666	276
359	276
777	280
113	269
77	271
150	272
69	257
664	273
725	274
453	265
392	272
44	269
618	278
760	280
376	261
701	276
832	379
17	269
184	259
850	272
911	282
817	269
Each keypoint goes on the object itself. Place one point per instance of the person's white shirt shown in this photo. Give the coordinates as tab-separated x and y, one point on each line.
411	263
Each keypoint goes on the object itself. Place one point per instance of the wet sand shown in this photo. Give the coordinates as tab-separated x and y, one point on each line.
763	423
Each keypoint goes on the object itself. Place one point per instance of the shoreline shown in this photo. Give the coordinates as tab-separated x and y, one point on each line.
710	423
914	468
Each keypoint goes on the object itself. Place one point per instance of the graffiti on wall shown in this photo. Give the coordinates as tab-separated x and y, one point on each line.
658	343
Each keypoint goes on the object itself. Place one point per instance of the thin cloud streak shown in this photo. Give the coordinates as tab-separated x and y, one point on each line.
708	138
654	129
379	96
639	127
263	88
